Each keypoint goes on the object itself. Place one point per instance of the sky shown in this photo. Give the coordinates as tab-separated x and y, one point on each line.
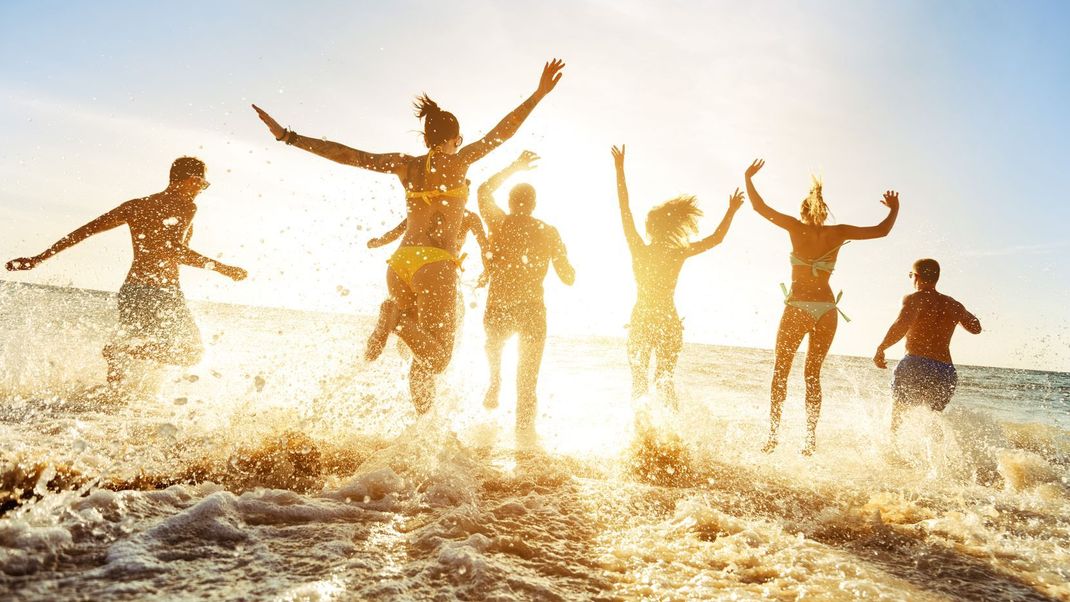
959	106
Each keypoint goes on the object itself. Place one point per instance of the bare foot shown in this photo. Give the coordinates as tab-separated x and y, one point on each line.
811	447
770	445
490	401
389	314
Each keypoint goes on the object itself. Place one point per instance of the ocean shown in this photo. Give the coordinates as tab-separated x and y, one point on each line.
282	467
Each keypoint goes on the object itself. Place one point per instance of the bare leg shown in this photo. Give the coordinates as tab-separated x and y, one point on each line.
430	335
389	316
117	364
496	338
532	343
820	341
667	352
793	327
639	350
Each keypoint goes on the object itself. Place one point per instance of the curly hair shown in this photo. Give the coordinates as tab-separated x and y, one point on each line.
675	219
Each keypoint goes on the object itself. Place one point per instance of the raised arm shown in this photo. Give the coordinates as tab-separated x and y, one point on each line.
112	219
551	74
969	321
559	257
488	208
389	237
339	153
898	329
891	201
734	203
779	219
631	234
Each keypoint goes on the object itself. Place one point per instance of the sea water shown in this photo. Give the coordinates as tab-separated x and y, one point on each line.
283	467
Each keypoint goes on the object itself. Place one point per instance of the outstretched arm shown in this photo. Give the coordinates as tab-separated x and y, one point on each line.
339	153
734	203
969	321
891	201
779	219
487	207
635	241
551	74
112	219
898	329
187	256
559	257
389	237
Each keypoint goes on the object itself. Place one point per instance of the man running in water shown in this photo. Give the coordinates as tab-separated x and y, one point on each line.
521	250
926	374
154	322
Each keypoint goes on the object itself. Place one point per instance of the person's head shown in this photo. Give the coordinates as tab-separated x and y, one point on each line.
814	211
522	199
187	175
925	273
674	220
441	130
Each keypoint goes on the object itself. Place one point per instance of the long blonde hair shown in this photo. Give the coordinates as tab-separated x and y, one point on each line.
814	211
674	219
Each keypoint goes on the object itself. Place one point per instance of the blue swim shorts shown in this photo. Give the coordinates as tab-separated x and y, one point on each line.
921	380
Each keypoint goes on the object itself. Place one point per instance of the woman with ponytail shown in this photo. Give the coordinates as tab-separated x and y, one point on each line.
422	274
809	306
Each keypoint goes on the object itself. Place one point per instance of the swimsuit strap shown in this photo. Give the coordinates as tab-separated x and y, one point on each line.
836	303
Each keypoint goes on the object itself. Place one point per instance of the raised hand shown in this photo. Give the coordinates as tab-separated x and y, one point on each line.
526	161
736	200
755	167
276	130
551	74
618	156
22	263
891	199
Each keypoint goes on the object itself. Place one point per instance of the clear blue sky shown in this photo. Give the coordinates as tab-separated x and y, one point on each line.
961	106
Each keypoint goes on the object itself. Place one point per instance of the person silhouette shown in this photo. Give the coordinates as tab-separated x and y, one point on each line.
810	308
154	322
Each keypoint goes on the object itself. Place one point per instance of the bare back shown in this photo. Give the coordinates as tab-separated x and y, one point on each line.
935	317
657	269
160	225
435	221
813	244
522	248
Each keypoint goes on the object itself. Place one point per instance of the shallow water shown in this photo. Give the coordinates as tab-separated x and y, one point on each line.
281	468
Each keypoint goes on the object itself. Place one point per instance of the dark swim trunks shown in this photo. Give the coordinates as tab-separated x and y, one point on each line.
921	380
155	324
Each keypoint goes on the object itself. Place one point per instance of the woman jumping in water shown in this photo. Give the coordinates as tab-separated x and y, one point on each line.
655	326
809	307
423	275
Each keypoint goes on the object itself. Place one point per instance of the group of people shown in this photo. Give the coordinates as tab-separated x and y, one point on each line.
422	273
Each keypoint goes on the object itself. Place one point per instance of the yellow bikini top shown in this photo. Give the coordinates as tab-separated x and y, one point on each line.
460	192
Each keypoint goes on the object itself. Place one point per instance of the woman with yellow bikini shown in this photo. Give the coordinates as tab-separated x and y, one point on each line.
423	275
655	327
809	306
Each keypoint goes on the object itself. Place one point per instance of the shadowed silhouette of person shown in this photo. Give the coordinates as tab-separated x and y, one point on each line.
521	249
810	308
655	328
422	279
154	322
926	375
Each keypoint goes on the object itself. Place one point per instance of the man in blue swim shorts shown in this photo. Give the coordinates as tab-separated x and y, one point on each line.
926	374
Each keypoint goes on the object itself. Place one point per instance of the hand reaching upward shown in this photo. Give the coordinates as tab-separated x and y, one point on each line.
276	130
891	200
551	74
618	156
755	167
526	161
736	200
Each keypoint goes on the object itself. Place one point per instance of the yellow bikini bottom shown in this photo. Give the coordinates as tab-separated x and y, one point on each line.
406	261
